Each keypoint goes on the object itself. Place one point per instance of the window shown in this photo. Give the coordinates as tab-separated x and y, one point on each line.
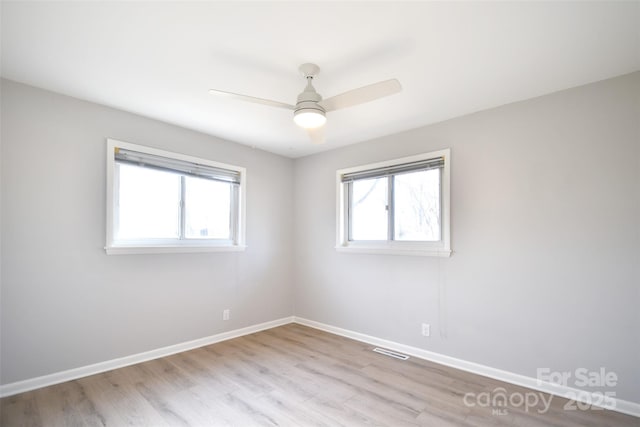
159	201
395	207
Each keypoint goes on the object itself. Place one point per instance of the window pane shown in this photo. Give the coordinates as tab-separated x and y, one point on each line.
369	216
207	209
148	204
417	206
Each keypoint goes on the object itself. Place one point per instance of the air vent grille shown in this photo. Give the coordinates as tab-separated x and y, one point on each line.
391	353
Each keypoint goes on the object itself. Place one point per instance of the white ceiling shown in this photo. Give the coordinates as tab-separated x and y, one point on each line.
158	59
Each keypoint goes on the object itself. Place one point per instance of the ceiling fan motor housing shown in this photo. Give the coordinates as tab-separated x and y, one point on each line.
308	113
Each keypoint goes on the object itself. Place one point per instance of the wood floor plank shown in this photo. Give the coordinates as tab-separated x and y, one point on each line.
119	404
20	410
340	414
286	376
205	372
382	410
376	390
296	413
67	404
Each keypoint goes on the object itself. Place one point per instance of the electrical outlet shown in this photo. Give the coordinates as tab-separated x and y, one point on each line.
226	314
426	330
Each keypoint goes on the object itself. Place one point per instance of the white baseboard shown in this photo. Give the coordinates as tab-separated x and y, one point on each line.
623	406
73	374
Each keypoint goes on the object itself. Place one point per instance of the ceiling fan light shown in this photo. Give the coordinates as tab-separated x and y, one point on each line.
309	118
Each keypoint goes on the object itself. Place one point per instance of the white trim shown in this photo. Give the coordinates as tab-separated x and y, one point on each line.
440	249
108	365
125	250
622	406
393	251
195	245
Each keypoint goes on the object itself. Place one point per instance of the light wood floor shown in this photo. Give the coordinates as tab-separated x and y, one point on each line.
286	376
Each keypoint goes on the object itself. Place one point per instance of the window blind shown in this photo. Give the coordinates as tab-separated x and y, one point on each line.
421	165
176	166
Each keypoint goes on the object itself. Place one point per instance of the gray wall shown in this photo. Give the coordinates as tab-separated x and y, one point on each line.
65	303
545	229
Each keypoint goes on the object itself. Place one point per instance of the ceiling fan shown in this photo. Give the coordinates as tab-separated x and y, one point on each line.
310	110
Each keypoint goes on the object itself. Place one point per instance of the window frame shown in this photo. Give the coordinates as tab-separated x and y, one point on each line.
149	246
441	248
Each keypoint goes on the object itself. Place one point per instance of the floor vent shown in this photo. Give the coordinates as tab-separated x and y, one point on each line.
391	353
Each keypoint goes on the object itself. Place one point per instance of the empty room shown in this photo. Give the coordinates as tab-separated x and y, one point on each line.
303	213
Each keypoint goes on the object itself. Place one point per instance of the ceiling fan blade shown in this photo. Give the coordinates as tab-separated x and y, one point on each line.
316	135
361	95
251	99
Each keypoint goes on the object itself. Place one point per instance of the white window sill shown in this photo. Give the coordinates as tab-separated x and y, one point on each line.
168	249
396	250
